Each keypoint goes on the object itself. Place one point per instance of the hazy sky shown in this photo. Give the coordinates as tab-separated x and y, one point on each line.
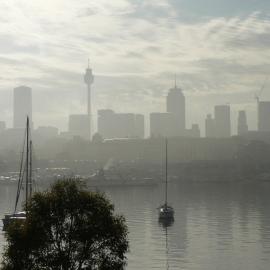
219	49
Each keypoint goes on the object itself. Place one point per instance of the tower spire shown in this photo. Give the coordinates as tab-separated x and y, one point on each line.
175	85
89	79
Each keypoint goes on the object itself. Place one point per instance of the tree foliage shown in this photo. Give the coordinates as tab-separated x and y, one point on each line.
67	227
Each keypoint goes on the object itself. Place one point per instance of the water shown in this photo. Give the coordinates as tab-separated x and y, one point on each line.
217	225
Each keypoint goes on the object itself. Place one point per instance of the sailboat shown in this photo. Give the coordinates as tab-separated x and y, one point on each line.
25	174
166	212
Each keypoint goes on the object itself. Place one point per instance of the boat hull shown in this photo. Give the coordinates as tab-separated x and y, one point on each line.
166	213
10	218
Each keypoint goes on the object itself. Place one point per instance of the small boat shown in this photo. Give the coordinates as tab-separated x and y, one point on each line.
25	173
9	218
166	212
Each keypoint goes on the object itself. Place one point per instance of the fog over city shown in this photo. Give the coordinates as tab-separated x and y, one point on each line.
218	50
135	134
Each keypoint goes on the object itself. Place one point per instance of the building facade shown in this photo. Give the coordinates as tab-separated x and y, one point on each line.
263	116
209	126
176	106
222	121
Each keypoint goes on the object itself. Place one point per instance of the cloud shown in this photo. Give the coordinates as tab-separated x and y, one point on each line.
135	47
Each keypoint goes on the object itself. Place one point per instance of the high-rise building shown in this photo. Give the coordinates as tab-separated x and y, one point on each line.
263	116
242	126
79	126
22	106
177	107
209	126
120	125
222	121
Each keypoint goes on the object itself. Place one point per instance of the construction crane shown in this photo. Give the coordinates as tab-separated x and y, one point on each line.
257	96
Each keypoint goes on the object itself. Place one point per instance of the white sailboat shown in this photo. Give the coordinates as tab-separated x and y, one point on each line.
166	212
25	174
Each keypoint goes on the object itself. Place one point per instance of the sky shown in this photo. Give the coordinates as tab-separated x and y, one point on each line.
219	51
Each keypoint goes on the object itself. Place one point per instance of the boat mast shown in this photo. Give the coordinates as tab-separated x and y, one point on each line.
21	175
27	164
166	171
30	169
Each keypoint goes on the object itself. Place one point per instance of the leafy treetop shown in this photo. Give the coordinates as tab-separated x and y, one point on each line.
67	227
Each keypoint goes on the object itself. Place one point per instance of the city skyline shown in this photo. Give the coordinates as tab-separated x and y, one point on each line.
135	134
218	51
171	103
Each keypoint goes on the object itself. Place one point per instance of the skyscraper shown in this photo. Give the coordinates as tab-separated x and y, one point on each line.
263	115
222	121
22	106
177	108
242	126
209	126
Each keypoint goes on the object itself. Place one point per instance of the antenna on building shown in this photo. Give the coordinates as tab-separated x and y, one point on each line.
175	85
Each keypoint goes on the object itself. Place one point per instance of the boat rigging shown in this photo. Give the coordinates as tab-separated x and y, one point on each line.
25	174
166	212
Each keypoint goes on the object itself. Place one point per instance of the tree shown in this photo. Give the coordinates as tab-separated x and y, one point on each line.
67	227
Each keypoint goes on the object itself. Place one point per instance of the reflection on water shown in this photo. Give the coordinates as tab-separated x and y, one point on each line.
217	225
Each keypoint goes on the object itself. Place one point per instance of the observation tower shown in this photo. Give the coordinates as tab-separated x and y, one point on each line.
89	79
